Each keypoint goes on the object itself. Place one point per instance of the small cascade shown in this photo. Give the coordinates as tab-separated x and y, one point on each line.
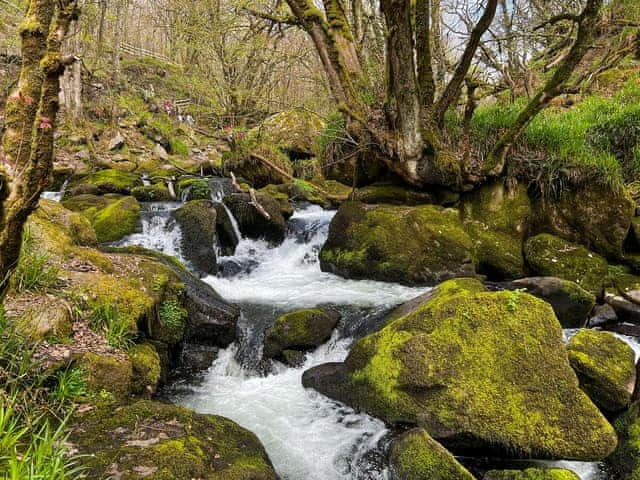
145	180
56	196
171	187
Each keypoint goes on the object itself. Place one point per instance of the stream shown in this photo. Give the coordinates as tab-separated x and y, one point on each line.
307	435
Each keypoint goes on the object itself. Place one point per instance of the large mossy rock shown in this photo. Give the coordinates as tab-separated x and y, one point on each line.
146	368
480	371
625	461
497	219
395	194
606	368
197	220
105	181
531	474
294	131
301	330
112	216
154	440
594	216
415	456
571	303
411	245
551	256
253	223
106	374
158	192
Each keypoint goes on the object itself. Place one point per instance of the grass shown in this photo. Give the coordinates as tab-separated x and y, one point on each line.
597	140
32	422
34	272
107	318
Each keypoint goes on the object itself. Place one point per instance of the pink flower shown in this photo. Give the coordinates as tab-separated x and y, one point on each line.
45	123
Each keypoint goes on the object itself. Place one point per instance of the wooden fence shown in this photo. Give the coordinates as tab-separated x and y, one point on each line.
142	52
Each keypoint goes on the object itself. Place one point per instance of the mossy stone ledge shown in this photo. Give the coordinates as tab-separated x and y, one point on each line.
149	439
551	256
497	219
410	245
625	461
532	474
605	366
479	371
415	455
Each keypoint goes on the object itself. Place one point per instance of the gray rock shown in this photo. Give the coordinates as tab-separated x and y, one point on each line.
160	152
602	315
116	143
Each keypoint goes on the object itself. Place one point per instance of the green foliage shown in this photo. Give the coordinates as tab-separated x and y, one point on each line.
34	272
178	147
70	386
171	313
586	143
107	317
31	445
335	131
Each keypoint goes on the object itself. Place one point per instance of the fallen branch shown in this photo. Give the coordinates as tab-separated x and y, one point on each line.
252	194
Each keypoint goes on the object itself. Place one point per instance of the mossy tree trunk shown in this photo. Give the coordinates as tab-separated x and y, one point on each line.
27	149
412	139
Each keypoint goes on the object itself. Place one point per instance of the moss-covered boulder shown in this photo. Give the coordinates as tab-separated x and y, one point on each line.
605	366
154	440
190	188
252	221
281	194
157	192
228	236
105	181
197	220
294	131
551	256
415	455
480	371
628	286
531	474
112	216
254	161
497	219
411	245
625	461
106	374
300	330
571	303
394	194
145	363
594	216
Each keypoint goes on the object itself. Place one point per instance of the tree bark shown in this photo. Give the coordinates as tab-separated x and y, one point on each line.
32	109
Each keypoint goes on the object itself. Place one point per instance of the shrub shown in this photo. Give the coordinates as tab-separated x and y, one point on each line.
34	272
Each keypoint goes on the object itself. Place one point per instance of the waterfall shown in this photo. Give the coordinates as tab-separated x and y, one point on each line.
56	196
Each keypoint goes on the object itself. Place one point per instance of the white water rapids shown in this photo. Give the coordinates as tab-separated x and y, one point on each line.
307	436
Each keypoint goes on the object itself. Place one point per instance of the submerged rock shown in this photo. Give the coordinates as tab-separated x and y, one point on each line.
410	245
480	371
497	219
552	256
154	440
300	330
415	455
197	220
532	474
605	366
571	303
252	222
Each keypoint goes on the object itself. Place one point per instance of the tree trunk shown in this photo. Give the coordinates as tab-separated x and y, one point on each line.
31	118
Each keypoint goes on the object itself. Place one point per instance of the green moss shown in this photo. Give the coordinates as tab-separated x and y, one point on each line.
479	370
497	219
280	193
178	147
197	220
110	181
106	373
532	474
625	461
117	220
193	189
300	330
605	366
145	362
415	455
410	245
552	256
170	442
151	193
